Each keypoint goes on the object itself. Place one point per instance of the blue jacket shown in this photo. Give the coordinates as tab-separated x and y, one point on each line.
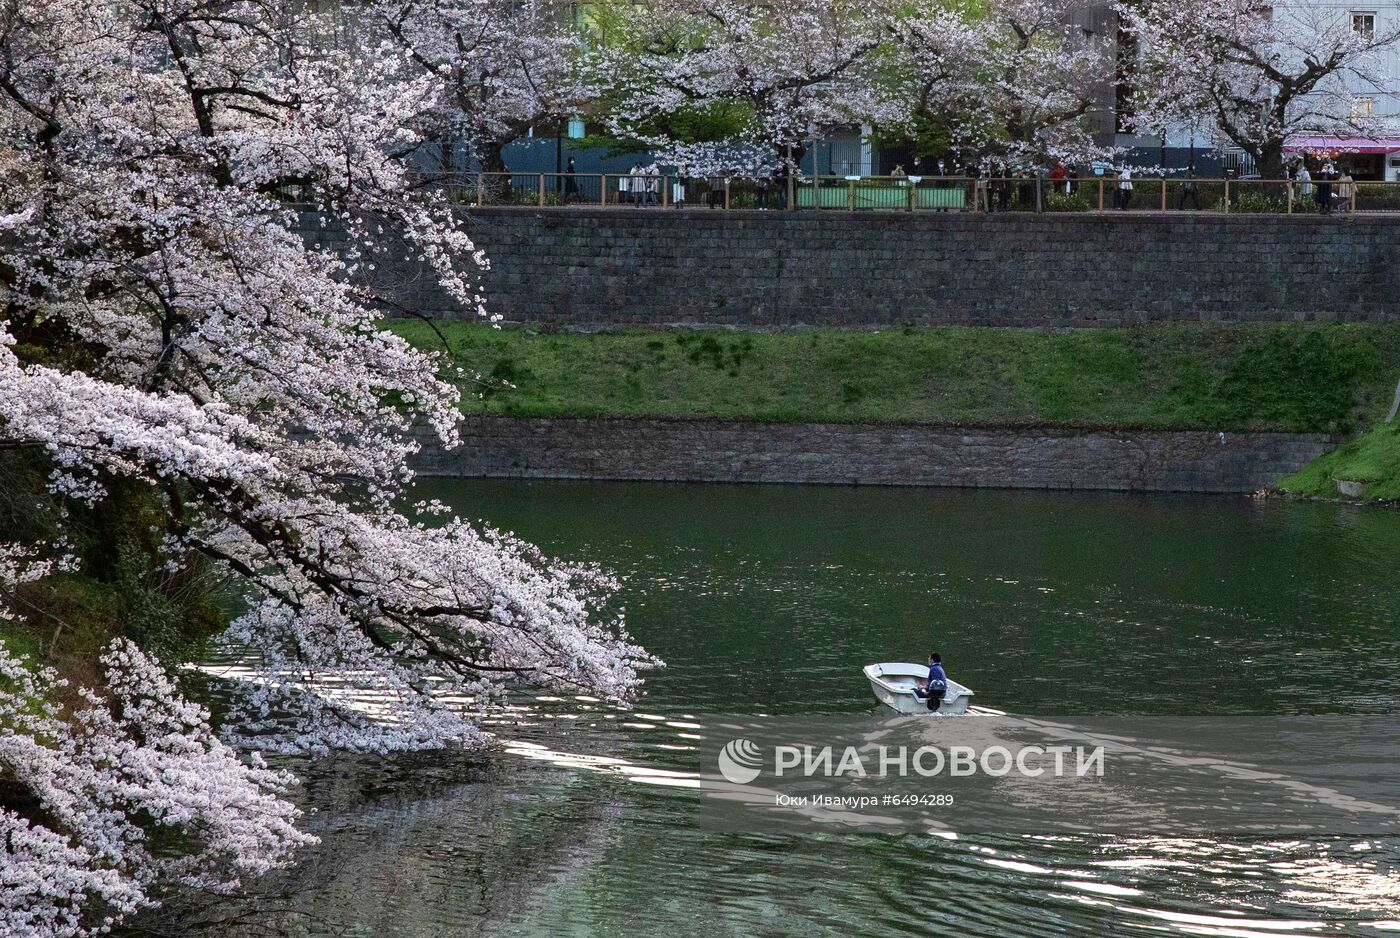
937	680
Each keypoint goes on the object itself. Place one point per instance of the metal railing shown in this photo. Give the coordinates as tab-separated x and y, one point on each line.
918	194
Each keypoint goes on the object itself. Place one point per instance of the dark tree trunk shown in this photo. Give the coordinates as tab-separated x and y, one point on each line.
493	157
1269	160
492	161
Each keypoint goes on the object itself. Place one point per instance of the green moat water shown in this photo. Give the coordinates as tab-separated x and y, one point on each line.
767	600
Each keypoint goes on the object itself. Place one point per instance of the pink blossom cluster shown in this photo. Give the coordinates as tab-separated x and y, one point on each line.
110	783
158	157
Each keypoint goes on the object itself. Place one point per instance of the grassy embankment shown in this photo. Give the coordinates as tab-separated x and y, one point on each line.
1332	378
1335	378
1372	459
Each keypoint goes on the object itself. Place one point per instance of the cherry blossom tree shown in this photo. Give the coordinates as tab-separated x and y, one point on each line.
168	329
929	65
1041	78
784	70
499	67
1257	73
1014	78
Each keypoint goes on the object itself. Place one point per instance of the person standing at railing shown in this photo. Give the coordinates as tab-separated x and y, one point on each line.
653	184
1324	188
1003	188
780	178
761	185
1346	188
979	189
1304	181
1189	191
715	197
942	173
570	182
1072	181
1124	192
624	187
637	184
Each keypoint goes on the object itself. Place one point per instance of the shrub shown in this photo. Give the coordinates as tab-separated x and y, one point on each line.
1257	203
1065	202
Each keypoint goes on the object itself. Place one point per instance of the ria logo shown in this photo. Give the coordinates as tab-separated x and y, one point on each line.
740	761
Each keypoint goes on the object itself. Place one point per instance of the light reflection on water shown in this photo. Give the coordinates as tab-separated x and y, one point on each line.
768	600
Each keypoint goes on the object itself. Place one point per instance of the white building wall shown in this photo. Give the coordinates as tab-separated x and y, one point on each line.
1386	95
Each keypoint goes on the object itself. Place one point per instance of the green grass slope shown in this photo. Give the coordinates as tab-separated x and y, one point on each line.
1372	459
1290	377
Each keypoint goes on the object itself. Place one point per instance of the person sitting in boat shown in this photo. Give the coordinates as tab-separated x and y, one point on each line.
937	684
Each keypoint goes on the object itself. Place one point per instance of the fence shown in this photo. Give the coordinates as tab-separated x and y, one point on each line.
919	194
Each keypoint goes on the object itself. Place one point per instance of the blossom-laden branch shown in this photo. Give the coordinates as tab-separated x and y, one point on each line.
111	788
1015	80
169	327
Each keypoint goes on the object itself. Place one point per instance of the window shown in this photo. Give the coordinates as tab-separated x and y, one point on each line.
1364	24
1362	107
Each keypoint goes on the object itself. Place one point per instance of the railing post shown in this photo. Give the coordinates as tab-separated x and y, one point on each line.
1164	193
726	193
480	190
1351	209
910	193
1227	195
665	191
1289	184
541	190
603	190
791	183
850	195
1101	193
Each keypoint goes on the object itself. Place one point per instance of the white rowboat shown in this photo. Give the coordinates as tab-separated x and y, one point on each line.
893	683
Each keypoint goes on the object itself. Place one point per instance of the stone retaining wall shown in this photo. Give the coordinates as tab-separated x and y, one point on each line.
587	268
869	454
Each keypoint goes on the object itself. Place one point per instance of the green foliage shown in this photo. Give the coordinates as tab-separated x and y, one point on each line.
1373	197
121	587
715	122
1270	377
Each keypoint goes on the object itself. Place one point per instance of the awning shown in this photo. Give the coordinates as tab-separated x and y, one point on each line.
1319	144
